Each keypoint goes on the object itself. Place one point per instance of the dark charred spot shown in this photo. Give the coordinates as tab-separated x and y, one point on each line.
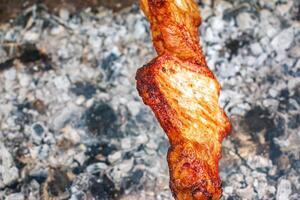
284	94
22	106
15	186
261	121
294	121
107	65
77	170
270	78
6	65
93	151
38	129
22	117
233	45
104	189
39	67
257	119
104	149
108	61
276	129
128	155
133	180
19	154
30	53
107	149
39	106
284	101
136	176
59	183
41	178
101	120
86	89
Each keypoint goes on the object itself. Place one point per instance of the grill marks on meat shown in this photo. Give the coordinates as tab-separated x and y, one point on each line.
183	94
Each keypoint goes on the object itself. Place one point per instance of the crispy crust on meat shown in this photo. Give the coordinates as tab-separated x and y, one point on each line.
183	94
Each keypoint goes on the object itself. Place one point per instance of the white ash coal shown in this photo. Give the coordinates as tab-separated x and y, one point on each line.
73	126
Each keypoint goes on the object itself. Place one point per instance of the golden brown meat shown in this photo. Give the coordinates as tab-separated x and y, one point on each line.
183	93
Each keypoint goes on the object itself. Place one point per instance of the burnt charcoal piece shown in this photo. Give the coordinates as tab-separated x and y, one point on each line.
77	170
43	66
38	129
136	176
107	65
107	149
84	88
104	190
284	94
128	155
233	45
40	178
59	184
22	106
270	78
6	65
133	180
274	152
294	121
31	54
108	61
39	106
104	149
19	154
284	101
275	130
257	119
101	119
93	150
21	116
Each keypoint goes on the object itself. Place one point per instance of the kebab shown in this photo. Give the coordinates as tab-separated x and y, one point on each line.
183	94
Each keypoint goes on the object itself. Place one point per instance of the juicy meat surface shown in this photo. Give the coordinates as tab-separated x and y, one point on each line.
183	94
